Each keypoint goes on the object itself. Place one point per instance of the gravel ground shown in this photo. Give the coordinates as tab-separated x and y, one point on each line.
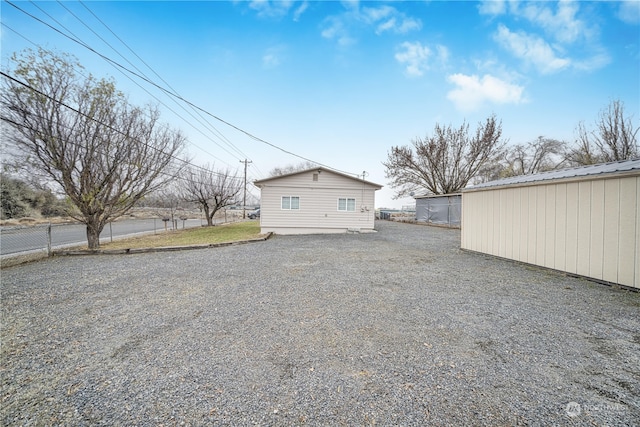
398	327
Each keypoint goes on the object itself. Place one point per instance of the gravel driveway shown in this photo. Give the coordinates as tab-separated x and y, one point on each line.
398	327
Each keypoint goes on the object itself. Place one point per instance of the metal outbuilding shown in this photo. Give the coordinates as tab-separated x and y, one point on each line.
584	221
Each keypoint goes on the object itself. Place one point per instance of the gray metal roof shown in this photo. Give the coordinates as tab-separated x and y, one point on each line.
433	196
578	172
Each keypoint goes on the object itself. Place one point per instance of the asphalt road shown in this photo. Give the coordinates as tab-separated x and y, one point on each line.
15	240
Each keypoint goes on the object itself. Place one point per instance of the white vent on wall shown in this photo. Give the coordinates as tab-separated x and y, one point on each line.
315	176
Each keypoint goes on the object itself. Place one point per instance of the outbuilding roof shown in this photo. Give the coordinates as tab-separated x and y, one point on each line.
612	168
433	196
259	182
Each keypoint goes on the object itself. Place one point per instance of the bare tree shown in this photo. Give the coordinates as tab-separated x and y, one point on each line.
211	189
82	133
284	170
445	162
583	152
490	171
541	155
167	200
614	138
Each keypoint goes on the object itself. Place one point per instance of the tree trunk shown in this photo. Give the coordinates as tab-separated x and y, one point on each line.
93	235
206	214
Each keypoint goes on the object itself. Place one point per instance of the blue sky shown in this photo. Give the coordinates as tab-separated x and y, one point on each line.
340	83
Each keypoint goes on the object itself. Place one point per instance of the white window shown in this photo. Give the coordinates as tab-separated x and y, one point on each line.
290	202
346	204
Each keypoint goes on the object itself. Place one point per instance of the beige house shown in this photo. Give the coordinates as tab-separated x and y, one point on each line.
317	200
584	221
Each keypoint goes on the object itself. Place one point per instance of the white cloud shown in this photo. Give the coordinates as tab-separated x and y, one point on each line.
417	57
629	11
597	60
492	7
443	54
472	92
272	57
271	9
409	24
386	26
336	30
563	25
300	10
375	14
387	18
270	60
382	19
531	49
278	8
567	39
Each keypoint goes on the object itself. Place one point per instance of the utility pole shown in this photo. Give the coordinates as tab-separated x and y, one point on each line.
244	198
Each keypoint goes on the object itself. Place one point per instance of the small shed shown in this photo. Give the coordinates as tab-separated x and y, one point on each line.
443	210
584	221
317	200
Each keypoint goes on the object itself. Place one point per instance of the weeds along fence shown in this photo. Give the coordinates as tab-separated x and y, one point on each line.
43	239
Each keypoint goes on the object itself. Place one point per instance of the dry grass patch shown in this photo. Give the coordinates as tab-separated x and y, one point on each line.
225	233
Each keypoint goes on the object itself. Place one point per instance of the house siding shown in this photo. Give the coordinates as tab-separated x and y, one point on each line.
589	227
318	211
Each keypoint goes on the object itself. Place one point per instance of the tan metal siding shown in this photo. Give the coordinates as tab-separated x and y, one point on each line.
541	216
588	227
531	225
550	226
637	233
629	231
504	250
611	229
597	229
584	227
637	251
560	227
488	225
572	228
515	223
494	237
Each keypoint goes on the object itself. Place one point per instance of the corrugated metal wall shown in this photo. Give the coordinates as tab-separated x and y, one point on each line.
589	227
440	210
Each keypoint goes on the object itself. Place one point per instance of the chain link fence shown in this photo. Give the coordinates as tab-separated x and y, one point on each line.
20	240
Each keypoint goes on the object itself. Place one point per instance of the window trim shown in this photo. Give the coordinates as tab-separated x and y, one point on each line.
346	204
290	208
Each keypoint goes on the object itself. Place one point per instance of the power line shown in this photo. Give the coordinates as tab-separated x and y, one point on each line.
170	93
209	125
7	76
225	139
137	84
76	39
178	176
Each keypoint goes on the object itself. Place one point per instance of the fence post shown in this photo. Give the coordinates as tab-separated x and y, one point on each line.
49	240
110	232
